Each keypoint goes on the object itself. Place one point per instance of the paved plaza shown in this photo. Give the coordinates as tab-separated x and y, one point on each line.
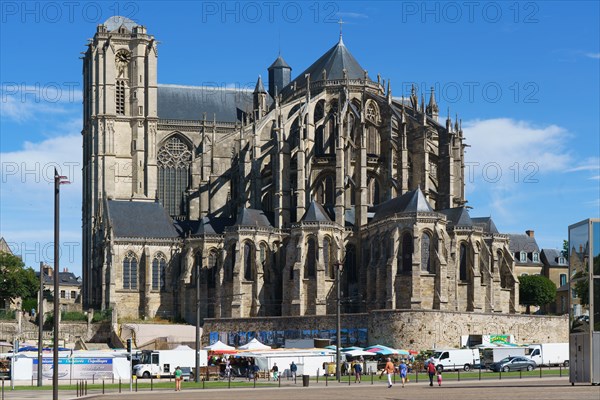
530	389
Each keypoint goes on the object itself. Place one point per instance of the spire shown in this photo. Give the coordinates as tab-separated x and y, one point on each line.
413	98
341	41
259	88
389	92
432	108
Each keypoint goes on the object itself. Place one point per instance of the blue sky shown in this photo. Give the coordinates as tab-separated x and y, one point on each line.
522	76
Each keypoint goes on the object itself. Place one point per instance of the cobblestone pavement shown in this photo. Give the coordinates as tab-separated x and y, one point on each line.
530	389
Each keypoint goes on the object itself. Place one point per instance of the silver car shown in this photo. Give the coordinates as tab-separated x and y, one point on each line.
513	364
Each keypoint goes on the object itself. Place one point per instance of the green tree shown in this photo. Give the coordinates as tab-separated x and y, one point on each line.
15	279
536	290
565	250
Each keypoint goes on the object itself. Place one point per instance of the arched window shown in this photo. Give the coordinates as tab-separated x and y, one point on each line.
373	191
231	268
406	254
425	252
263	257
311	259
350	264
248	262
373	140
174	159
325	193
212	269
130	271
159	267
327	259
463	262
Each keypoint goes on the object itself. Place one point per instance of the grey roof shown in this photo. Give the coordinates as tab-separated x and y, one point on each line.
458	216
191	102
409	202
115	22
550	258
279	63
259	88
209	225
486	223
334	61
315	213
252	217
65	278
140	219
521	242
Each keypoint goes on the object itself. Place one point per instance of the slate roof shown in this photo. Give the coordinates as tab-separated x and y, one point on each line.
259	88
519	243
486	223
315	213
140	219
279	62
208	225
550	258
413	201
191	102
458	216
115	22
65	278
333	62
252	217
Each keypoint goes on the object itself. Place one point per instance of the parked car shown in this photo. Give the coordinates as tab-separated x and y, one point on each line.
513	364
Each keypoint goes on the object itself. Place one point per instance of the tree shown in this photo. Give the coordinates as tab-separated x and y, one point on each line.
536	290
565	250
15	279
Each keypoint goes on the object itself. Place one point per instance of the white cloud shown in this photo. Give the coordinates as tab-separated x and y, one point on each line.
517	149
20	102
593	55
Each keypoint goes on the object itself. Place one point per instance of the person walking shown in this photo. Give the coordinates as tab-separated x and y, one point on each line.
439	378
431	371
357	372
275	371
178	374
293	369
403	372
389	370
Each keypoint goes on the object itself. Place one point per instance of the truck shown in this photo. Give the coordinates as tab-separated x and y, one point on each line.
490	355
164	362
549	354
455	359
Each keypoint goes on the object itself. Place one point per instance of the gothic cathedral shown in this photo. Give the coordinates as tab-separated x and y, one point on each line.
259	201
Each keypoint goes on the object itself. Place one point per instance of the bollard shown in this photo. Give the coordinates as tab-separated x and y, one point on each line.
254	381
458	373
151	383
32	380
279	379
102	386
317	375
500	375
93	378
136	381
416	375
560	370
119	385
2	388
348	379
86	388
479	371
203	381
520	374
540	372
371	377
295	375
326	379
394	378
229	380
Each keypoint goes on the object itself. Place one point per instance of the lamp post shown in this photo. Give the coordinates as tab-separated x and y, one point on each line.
58	180
338	270
197	374
40	325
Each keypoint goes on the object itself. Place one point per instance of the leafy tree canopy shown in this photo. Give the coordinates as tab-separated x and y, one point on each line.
536	290
15	279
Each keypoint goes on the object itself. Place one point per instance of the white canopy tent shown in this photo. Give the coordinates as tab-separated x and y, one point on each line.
220	346
254	344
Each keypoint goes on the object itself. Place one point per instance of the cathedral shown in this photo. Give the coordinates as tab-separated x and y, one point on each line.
260	201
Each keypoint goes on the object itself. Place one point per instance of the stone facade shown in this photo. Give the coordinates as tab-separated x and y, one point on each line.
268	193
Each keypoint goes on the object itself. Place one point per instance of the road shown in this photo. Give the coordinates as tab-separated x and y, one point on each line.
529	388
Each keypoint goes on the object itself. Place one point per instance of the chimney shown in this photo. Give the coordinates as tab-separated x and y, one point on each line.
65	269
530	233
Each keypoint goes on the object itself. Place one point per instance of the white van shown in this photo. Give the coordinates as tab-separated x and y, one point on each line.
455	359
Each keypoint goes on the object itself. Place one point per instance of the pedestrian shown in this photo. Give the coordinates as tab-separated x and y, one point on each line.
178	374
403	372
431	371
357	372
275	371
389	370
293	369
439	378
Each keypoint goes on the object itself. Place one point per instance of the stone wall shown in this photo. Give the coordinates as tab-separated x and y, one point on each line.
412	329
425	329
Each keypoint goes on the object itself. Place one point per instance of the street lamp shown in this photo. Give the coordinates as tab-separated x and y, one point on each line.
339	266
197	374
58	180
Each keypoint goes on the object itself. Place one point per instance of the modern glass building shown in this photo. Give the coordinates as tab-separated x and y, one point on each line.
584	301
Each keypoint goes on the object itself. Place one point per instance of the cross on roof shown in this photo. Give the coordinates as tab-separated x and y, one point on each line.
341	23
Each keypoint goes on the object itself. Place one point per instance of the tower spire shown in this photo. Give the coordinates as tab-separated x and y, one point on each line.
340	22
